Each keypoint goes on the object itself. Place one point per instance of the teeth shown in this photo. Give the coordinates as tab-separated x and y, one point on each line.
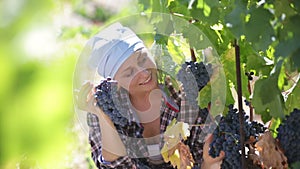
149	78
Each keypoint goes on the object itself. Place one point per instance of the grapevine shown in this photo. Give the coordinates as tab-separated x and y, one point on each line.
269	51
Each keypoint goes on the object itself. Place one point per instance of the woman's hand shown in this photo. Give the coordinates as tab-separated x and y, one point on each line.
208	161
85	98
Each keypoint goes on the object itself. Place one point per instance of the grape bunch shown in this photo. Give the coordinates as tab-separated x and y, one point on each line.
289	136
249	75
226	137
200	71
104	97
194	76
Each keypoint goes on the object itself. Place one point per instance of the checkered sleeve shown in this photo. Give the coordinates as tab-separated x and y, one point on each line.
173	93
191	115
188	112
96	148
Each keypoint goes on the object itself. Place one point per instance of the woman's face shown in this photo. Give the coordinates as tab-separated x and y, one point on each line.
138	73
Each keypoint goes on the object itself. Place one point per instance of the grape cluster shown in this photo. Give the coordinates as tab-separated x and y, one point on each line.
200	71
249	75
226	137
289	136
104	97
247	103
194	76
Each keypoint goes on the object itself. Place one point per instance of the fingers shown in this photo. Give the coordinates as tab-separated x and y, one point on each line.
206	156
220	157
85	95
85	90
209	138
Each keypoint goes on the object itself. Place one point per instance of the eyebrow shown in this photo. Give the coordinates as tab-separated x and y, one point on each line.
141	56
138	57
127	69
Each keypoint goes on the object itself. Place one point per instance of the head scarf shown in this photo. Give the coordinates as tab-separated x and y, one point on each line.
111	47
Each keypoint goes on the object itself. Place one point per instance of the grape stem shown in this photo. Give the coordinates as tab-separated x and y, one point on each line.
250	105
193	56
240	105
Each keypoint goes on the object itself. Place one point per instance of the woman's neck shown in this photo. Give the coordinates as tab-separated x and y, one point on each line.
147	105
141	101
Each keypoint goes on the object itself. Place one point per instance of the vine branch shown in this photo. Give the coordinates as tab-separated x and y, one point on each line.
240	105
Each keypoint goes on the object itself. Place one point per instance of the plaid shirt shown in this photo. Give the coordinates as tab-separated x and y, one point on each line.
173	106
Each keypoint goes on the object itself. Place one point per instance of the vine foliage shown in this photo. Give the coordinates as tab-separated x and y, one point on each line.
267	33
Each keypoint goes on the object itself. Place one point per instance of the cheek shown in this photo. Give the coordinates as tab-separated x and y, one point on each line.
127	83
123	84
151	65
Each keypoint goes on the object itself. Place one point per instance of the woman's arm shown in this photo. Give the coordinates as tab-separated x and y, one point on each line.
111	144
95	139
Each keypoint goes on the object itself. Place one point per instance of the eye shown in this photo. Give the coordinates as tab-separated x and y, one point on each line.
129	73
142	59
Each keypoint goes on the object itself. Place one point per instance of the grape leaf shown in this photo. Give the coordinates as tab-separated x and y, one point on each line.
235	19
286	48
228	61
267	99
146	4
293	99
177	131
295	165
258	29
176	7
283	7
270	154
179	156
295	59
195	37
174	150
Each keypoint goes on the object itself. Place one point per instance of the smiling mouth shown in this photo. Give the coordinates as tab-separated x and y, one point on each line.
147	80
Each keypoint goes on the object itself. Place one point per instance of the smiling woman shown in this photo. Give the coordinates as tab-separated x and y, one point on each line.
133	109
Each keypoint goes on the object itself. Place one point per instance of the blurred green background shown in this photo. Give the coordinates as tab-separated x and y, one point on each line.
40	42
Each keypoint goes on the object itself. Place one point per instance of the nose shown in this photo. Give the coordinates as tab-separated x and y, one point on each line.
144	72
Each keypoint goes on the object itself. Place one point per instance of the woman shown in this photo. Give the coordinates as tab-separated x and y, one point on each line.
119	54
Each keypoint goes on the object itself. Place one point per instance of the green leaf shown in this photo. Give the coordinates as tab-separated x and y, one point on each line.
267	99
295	165
236	19
176	7
159	6
296	5
293	99
295	59
286	48
198	14
204	97
283	7
146	4
196	37
228	62
253	61
258	29
274	125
